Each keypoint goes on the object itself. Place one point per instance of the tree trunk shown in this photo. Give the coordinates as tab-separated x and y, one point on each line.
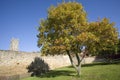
79	70
78	66
79	60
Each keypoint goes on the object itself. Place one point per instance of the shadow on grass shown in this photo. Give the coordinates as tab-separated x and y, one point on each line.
39	68
69	71
55	73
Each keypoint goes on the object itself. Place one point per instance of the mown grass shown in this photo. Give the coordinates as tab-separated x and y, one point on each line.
97	71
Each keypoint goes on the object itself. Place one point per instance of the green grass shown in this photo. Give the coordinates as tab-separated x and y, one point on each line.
89	72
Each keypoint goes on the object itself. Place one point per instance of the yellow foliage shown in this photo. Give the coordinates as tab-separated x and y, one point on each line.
67	29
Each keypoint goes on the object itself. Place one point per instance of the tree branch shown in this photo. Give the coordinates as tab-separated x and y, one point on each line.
73	64
84	53
78	58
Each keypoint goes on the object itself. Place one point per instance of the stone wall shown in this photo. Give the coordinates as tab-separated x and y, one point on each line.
16	63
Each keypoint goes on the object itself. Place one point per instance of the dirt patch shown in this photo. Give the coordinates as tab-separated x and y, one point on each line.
13	72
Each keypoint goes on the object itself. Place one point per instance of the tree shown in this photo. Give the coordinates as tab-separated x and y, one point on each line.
106	33
111	54
118	46
66	30
108	38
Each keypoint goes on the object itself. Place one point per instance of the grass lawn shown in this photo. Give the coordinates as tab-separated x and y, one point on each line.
89	72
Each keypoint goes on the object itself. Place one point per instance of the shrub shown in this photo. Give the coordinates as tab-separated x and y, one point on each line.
38	67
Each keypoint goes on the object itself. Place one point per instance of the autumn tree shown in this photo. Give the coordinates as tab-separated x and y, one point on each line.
66	30
118	46
106	33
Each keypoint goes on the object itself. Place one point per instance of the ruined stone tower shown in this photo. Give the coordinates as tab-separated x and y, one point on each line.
14	44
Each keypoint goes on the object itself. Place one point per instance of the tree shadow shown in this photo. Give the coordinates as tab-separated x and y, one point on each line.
38	67
55	73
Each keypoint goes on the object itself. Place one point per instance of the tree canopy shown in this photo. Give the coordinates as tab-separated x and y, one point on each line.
66	29
62	26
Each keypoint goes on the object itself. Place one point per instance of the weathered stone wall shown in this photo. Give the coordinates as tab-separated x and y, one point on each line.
16	62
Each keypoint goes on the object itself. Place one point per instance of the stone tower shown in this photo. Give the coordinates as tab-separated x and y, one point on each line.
14	44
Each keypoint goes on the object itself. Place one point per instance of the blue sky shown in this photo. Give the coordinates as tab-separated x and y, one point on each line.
20	18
